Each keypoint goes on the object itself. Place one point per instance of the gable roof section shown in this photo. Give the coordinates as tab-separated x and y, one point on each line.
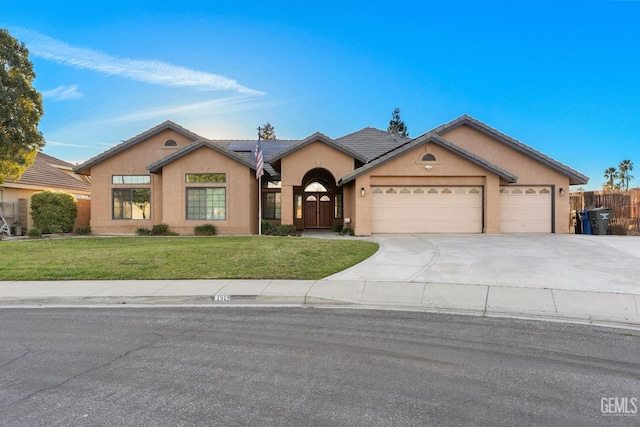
86	166
372	142
575	177
155	167
45	173
311	139
423	139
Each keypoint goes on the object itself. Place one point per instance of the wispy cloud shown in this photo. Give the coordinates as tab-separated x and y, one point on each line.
63	93
63	144
209	107
147	71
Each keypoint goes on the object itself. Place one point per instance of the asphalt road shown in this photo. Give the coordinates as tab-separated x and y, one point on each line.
309	366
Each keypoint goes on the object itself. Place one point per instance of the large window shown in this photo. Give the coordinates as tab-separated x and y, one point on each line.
271	208
207	203
131	203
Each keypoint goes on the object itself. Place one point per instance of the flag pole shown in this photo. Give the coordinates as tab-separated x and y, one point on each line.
260	206
259	172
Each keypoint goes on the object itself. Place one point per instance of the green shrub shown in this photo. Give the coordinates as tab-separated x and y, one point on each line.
141	231
337	228
83	230
162	230
206	230
54	212
347	231
34	233
266	226
284	230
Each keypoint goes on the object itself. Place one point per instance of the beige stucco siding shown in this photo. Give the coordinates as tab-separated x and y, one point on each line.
297	164
409	169
528	170
132	161
240	188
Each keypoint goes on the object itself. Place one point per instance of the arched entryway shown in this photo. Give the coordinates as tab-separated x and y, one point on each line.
322	199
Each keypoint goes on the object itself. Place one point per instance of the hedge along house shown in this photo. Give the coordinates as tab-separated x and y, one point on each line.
462	177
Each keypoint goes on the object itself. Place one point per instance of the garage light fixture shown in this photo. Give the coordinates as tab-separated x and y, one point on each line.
362	191
561	191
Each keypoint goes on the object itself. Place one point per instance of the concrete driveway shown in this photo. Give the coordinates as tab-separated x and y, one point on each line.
573	262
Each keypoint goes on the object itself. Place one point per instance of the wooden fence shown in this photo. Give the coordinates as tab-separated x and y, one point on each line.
625	205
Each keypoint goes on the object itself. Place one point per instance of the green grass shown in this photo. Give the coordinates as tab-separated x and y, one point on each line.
139	258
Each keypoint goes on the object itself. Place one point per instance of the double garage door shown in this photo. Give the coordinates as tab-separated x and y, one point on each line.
426	209
457	209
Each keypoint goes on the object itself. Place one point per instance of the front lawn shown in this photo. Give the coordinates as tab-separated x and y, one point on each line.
138	258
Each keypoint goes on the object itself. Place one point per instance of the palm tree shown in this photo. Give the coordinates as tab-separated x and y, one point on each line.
625	167
610	174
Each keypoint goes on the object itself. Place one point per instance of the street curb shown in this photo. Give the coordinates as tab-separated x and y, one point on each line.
173	300
310	301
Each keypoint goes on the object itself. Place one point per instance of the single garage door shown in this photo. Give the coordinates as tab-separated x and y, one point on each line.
426	209
525	209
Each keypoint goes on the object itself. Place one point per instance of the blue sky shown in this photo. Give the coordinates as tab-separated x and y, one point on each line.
560	76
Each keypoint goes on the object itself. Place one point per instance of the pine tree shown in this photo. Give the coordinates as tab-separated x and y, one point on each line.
396	125
267	131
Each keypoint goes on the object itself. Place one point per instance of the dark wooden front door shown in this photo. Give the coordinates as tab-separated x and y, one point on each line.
318	211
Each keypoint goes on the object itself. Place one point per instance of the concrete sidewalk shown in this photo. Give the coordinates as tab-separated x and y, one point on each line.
487	300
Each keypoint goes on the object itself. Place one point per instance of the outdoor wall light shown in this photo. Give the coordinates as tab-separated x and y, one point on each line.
561	191
362	191
427	167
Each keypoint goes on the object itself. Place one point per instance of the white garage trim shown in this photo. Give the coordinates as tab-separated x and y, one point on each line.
525	209
426	209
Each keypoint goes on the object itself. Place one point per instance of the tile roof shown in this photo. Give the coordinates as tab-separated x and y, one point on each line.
372	142
45	173
313	138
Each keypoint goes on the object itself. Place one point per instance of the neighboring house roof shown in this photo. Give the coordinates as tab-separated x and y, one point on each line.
574	176
372	142
311	139
46	173
86	166
155	167
426	138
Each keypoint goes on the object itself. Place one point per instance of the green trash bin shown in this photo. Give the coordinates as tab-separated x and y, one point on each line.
600	220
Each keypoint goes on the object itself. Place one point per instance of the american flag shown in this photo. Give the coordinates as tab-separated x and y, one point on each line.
259	160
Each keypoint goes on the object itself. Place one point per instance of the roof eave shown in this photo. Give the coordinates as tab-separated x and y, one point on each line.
157	166
423	139
85	168
574	176
313	138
